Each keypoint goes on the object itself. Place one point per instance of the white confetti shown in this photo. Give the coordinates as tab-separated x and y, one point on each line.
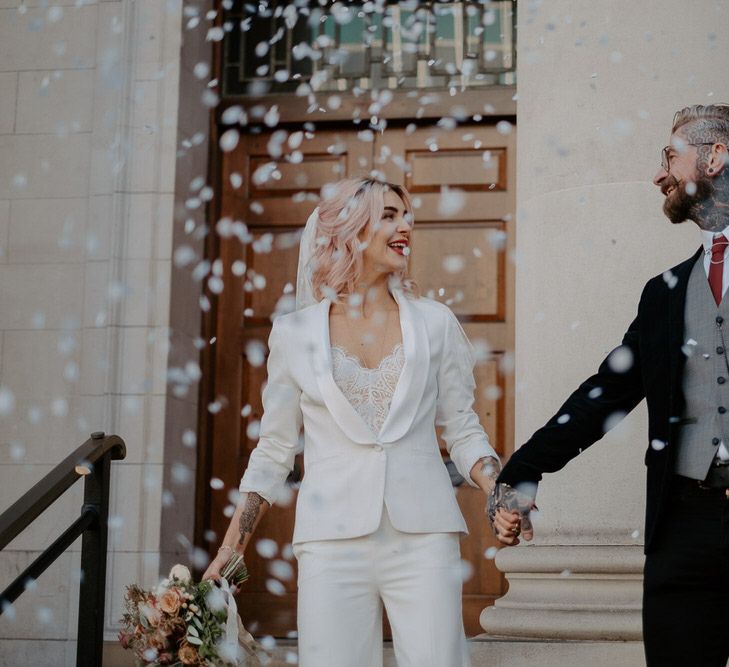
17	451
454	263
215	34
253	430
504	127
272	117
59	407
281	570
229	140
189	438
466	570
183	256
451	202
266	548
201	70
620	359
7	401
613	420
181	474
255	353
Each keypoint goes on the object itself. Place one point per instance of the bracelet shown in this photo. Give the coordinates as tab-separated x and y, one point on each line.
225	546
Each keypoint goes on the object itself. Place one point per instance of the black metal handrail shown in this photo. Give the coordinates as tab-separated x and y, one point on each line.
92	461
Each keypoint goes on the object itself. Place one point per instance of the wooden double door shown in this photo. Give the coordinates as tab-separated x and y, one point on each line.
462	183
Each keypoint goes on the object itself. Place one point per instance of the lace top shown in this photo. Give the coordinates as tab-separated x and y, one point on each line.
369	390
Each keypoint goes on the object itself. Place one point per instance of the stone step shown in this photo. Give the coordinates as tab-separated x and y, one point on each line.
485	652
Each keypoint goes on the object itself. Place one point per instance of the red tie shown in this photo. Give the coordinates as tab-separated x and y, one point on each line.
716	268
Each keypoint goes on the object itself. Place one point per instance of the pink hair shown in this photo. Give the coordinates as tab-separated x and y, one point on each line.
349	210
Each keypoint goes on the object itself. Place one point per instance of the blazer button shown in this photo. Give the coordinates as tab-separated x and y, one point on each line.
715	441
720	350
719	320
721	409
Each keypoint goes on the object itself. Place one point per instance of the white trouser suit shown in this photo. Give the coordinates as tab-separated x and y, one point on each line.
353	556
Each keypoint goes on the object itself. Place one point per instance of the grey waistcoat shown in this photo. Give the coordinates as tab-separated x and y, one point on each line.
705	422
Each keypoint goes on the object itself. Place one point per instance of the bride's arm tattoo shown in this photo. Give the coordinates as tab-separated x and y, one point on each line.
491	467
249	515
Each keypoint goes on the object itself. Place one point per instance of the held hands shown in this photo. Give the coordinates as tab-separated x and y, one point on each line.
509	514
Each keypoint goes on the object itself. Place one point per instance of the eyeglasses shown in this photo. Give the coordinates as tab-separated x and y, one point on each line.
666	165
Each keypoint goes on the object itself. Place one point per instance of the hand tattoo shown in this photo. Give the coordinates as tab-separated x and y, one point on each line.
249	515
509	499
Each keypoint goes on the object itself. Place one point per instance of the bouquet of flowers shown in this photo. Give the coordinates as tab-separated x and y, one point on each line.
183	623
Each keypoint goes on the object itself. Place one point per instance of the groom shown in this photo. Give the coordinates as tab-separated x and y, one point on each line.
677	358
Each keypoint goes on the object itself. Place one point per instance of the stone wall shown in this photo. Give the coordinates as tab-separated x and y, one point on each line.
598	87
93	95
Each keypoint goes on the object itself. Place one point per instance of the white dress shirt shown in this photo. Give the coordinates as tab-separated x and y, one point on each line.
707	239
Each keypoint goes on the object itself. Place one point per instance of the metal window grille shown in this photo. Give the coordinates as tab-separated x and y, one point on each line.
302	46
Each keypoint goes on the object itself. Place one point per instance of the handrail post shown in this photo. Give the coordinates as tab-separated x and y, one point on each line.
91	610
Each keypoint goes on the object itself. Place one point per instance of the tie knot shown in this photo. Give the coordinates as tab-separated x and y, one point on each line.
719	245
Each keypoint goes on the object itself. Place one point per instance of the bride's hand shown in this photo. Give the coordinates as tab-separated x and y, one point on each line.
217	564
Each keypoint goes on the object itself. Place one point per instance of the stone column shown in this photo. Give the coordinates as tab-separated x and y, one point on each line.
598	84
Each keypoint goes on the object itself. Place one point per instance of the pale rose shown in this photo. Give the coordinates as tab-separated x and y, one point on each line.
150	614
187	655
181	573
170	601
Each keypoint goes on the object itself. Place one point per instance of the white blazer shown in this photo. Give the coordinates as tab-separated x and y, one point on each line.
349	470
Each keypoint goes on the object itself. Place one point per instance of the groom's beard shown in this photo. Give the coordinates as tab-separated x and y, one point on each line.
680	206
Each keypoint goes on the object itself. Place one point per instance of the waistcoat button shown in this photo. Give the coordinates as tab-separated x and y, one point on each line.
720	350
715	441
719	319
721	380
722	409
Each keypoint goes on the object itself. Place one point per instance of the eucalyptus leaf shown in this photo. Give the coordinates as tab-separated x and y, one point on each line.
194	640
191	629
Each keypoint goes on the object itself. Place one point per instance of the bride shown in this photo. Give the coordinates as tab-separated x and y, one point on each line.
369	369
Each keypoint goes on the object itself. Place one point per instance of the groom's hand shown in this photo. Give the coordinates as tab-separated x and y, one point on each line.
509	513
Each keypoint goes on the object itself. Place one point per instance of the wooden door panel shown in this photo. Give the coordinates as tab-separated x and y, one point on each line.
468	170
274	269
462	183
286	178
469	265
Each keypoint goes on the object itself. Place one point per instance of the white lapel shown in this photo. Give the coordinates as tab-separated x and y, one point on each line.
414	376
339	407
410	386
